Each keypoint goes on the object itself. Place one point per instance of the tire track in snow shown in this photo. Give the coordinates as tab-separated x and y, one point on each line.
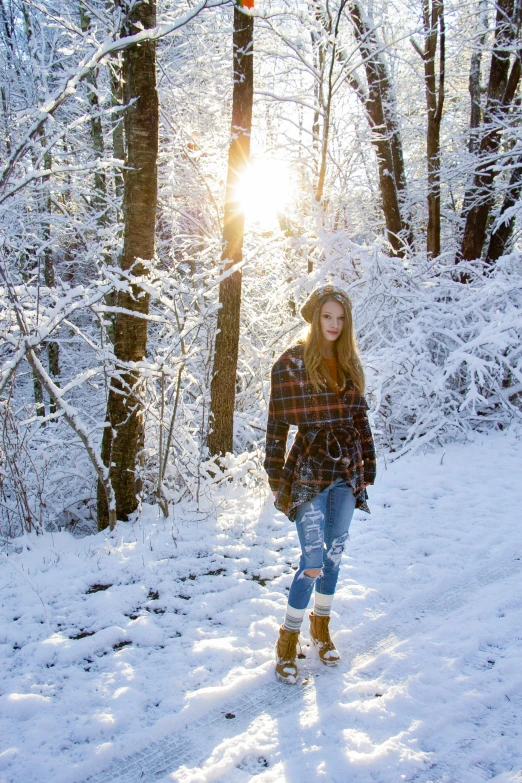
433	602
192	744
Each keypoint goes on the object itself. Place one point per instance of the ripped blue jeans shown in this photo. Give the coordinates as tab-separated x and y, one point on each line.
322	526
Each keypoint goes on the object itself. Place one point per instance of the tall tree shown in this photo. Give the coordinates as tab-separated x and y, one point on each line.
380	108
124	418
223	386
433	21
504	77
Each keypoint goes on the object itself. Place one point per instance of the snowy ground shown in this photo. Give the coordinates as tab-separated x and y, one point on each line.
148	654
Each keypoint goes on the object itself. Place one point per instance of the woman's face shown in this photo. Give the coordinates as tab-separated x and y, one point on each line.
332	320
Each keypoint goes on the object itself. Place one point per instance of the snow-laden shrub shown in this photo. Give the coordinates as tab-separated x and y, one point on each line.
442	357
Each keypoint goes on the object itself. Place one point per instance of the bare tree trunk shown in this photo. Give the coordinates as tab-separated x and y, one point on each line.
474	85
39	406
433	19
5	115
328	109
99	200
319	56
7	34
482	196
122	438
502	87
379	105
53	350
500	238
223	386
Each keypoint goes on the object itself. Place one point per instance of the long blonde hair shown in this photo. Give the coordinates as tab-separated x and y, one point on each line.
348	362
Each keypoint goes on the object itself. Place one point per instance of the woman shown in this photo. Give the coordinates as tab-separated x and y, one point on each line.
318	385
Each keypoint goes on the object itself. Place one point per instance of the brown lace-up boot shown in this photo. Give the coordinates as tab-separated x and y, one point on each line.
320	636
286	653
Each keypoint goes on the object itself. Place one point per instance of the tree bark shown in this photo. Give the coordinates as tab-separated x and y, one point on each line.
122	438
502	87
223	386
379	105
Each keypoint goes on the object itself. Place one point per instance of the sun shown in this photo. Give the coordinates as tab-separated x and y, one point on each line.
264	191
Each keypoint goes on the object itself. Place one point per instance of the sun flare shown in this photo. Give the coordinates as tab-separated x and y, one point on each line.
264	191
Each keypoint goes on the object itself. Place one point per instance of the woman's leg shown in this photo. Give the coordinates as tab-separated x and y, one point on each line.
310	528
310	523
340	505
339	511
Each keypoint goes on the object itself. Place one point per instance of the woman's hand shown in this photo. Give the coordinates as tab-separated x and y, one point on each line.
275	494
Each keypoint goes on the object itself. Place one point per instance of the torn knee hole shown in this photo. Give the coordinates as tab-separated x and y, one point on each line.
313	572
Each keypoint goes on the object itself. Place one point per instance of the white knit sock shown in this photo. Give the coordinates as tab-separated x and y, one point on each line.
322	604
293	618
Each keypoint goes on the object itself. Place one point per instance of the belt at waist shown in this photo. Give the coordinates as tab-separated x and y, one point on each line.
328	443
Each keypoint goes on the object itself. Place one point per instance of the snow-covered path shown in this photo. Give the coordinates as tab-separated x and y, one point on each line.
131	653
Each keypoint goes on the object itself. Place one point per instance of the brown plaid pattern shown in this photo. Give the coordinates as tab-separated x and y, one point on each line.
333	439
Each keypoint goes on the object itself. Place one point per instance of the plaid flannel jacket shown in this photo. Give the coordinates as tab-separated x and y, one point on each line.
333	439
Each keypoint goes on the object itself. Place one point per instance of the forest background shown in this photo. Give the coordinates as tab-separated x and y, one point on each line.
141	259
